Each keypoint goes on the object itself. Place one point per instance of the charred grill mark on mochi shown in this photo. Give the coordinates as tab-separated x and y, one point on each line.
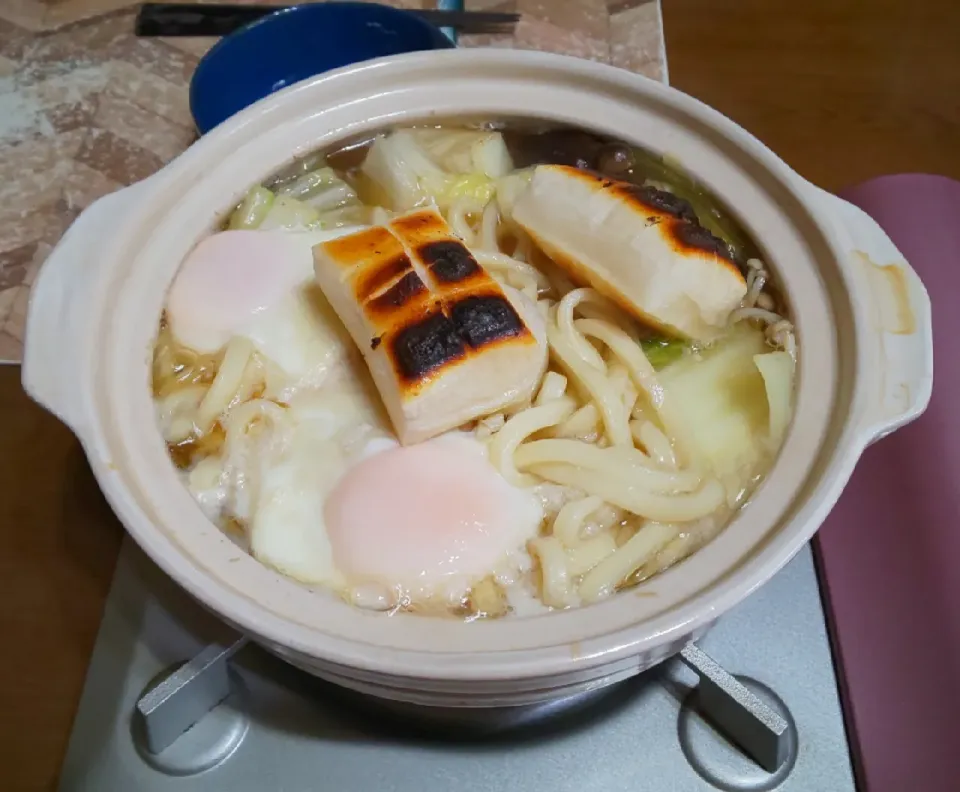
693	237
373	244
428	305
472	299
448	265
675	215
419	349
375	277
405	293
485	319
449	334
657	200
649	200
421	226
449	261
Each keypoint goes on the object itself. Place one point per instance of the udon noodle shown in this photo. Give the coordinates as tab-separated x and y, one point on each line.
601	440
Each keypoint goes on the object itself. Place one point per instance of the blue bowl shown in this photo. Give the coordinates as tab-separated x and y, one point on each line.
296	43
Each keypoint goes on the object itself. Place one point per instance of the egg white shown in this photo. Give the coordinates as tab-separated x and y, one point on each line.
431	520
259	285
276	477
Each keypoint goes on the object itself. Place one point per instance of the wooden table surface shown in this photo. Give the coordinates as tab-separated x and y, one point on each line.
842	89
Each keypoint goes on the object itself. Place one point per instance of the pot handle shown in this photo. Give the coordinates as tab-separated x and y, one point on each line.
898	308
61	305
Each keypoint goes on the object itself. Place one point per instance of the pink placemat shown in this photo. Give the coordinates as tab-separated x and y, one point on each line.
890	552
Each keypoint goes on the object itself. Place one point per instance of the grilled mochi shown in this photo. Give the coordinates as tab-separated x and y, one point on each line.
641	247
444	342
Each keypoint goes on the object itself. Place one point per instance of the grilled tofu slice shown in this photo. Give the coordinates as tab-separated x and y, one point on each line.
445	343
639	246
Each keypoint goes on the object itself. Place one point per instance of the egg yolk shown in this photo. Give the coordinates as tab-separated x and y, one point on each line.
225	280
232	276
425	515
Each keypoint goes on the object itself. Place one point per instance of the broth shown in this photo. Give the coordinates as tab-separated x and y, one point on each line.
664	391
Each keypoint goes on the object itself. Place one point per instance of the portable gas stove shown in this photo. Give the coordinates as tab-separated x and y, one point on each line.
175	701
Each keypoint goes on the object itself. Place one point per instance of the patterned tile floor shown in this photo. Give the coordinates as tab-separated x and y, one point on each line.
87	108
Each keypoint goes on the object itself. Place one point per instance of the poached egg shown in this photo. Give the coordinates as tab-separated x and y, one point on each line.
259	285
329	497
324	490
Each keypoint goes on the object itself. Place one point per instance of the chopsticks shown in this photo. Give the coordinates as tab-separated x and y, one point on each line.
450	5
190	19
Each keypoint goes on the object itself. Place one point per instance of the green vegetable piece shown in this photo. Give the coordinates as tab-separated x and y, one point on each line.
310	184
252	210
661	352
474	187
290	214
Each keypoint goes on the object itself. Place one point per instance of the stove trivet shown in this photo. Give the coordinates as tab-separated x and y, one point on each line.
181	728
